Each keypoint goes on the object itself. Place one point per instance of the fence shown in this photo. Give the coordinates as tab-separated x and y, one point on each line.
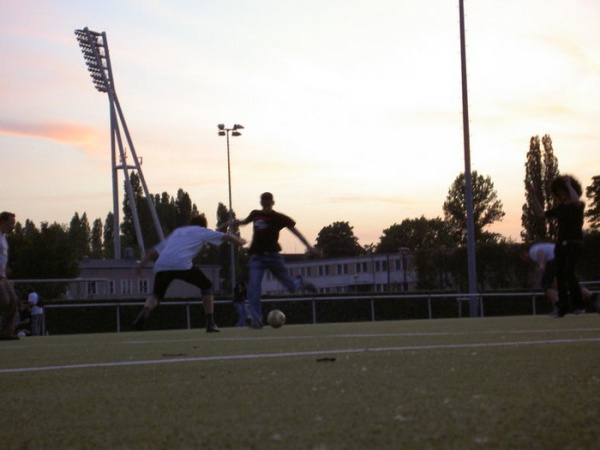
74	316
78	317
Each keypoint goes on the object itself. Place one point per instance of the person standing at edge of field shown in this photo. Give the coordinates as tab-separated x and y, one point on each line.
265	254
568	212
37	313
174	261
9	302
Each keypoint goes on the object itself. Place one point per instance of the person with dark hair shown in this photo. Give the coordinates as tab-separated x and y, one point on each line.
174	261
264	251
9	302
568	213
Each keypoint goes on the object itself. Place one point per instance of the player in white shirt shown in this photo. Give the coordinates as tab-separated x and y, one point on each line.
174	261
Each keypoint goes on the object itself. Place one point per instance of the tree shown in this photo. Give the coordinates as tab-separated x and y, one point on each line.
108	236
129	238
49	252
80	235
184	208
96	240
337	240
540	171
592	192
487	208
420	233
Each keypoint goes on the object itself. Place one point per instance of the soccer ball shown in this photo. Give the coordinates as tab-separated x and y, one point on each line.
276	318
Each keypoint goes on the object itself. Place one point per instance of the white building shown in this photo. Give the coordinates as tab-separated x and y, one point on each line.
119	279
391	272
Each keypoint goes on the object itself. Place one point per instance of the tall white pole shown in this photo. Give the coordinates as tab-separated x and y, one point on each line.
472	272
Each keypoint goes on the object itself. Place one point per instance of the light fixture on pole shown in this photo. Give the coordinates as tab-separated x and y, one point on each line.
94	47
223	131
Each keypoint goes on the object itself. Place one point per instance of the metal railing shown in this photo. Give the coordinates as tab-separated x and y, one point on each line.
429	299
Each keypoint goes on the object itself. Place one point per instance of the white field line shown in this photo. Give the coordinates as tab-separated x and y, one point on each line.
371	335
291	354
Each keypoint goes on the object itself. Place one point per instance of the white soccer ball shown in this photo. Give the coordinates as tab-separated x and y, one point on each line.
276	318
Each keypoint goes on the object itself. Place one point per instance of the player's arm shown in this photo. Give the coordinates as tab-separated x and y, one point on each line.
537	208
573	196
235	239
310	248
150	255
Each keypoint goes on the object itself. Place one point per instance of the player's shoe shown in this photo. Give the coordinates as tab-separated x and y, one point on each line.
303	285
213	329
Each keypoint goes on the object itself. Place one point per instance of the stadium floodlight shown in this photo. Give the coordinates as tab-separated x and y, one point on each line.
223	131
94	47
95	52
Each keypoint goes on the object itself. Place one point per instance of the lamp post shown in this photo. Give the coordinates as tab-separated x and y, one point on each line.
223	131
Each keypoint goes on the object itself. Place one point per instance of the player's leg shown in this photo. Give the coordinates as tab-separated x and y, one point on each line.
161	283
9	305
196	277
257	271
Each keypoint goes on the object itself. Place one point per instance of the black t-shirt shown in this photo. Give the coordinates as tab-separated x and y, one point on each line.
570	221
266	227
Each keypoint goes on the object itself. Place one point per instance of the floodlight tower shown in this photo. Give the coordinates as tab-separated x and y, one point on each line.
94	47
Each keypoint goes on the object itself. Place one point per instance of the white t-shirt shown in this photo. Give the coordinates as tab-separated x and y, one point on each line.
546	248
179	249
33	298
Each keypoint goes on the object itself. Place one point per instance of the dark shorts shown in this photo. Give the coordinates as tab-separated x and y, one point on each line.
194	276
547	281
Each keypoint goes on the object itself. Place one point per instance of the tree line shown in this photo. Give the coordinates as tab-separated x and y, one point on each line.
438	244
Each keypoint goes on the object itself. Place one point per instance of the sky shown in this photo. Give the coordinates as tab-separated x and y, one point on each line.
352	109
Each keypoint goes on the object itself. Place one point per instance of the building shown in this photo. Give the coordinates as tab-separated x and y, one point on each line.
390	272
119	279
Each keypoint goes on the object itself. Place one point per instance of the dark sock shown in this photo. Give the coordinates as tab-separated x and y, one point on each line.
210	320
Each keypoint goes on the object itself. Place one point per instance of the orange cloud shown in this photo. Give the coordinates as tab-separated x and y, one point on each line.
86	138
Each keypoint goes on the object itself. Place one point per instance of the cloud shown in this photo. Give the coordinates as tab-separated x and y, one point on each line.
84	137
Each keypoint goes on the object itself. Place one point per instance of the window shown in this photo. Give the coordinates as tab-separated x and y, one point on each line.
143	286
111	287
126	287
92	288
342	269
361	267
323	271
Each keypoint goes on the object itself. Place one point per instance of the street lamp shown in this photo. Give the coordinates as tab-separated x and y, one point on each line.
223	131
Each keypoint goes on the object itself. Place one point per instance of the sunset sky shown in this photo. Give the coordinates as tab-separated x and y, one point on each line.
352	109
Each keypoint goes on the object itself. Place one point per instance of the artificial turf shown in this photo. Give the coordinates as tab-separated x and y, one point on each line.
495	383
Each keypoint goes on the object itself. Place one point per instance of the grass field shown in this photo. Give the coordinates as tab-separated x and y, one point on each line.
491	383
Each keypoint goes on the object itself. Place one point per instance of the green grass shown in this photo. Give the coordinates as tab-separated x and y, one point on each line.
448	384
